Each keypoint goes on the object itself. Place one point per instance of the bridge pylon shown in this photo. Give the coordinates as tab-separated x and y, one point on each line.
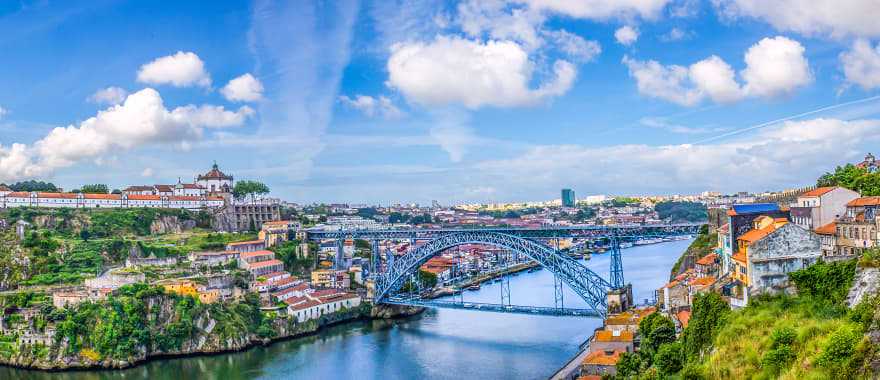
616	272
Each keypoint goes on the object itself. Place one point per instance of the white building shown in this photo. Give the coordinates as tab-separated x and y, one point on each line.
320	302
79	200
215	181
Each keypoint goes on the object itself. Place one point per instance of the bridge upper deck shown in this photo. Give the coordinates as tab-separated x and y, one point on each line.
621	232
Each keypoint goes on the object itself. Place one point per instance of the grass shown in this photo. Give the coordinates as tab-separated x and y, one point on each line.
742	343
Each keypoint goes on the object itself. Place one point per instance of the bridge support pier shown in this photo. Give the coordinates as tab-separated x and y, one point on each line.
340	254
617	281
374	257
557	292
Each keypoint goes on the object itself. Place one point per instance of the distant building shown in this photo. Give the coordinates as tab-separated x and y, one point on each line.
276	232
857	229
870	164
568	199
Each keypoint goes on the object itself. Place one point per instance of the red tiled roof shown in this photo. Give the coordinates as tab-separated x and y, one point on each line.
4	188
57	195
739	256
298	288
708	259
19	194
139	197
828	229
184	198
249	242
103	196
755	235
864	201
683	317
703	281
600	357
245	255
818	192
261	264
609	336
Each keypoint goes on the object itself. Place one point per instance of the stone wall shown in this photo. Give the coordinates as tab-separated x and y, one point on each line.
787	249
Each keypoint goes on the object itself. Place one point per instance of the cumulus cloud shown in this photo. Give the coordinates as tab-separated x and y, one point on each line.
142	119
370	106
835	18
453	70
793	152
499	21
601	9
774	67
245	88
183	69
626	35
675	34
110	95
861	64
147	172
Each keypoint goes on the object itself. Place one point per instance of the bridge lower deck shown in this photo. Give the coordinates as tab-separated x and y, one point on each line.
492	307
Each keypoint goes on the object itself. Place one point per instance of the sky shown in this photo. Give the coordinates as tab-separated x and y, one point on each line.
457	101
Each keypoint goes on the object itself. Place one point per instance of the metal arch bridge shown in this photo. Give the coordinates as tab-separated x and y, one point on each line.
591	287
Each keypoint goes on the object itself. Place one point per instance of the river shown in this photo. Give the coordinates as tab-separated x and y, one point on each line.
439	344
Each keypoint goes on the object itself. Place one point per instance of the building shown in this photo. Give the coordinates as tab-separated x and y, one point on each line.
328	278
316	304
568	199
246	246
250	216
261	268
761	227
276	232
707	265
870	164
628	320
211	259
190	288
615	340
251	257
81	200
772	250
828	240
821	206
215	181
857	229
600	363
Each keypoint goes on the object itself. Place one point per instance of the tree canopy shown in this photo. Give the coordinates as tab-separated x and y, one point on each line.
245	189
854	178
682	211
33	186
98	188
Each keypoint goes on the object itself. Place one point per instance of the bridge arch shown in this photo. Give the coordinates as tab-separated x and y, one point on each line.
586	283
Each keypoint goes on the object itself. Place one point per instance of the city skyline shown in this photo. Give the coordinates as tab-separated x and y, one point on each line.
362	102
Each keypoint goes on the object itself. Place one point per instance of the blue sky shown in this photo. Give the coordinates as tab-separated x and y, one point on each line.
386	101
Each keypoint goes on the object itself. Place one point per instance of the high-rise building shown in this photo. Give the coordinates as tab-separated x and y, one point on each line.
568	198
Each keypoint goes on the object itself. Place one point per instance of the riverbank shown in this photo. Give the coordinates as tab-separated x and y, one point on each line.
61	356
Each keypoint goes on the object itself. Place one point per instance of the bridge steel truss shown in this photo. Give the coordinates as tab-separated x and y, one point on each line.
529	241
586	283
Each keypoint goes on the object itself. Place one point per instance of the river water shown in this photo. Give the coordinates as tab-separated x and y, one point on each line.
439	344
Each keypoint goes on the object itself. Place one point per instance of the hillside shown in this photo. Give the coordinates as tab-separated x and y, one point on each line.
702	245
813	335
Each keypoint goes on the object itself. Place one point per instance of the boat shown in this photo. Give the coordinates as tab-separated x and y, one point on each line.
474	287
497	279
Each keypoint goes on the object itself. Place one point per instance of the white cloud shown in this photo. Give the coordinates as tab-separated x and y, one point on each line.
861	64
776	66
836	18
626	35
675	34
147	172
601	9
452	70
499	21
670	83
574	46
245	88
370	106
183	69
142	119
794	152
3	112
716	78
110	95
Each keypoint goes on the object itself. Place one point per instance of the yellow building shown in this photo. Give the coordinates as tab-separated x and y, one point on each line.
190	288
761	227
276	232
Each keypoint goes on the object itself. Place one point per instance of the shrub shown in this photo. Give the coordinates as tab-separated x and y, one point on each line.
839	348
669	358
825	281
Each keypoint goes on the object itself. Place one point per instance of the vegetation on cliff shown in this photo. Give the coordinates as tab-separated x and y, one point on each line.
702	245
809	336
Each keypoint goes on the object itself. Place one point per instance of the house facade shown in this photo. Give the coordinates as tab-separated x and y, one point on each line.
821	206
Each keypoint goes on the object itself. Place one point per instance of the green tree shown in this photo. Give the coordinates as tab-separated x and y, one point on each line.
669	358
656	330
97	188
245	189
33	186
709	313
